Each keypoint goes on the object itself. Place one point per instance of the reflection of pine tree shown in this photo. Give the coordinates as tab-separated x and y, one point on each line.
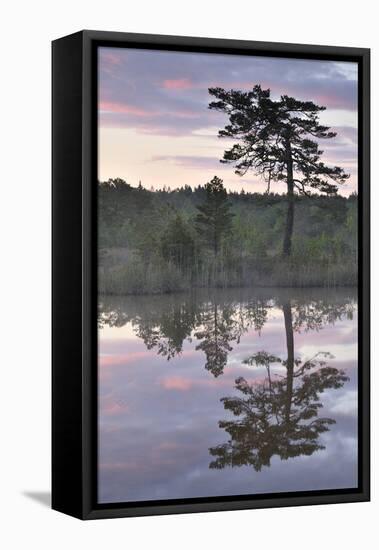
225	323
215	338
266	427
279	416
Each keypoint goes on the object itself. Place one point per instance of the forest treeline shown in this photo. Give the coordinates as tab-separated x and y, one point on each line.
160	241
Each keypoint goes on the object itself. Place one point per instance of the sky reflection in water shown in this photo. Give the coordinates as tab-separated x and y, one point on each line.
200	396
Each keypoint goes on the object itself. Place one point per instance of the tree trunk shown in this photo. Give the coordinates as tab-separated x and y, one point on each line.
290	357
287	243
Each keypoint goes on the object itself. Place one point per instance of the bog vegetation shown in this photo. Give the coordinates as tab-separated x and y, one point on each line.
159	241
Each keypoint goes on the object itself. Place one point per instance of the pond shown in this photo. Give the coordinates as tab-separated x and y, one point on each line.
230	392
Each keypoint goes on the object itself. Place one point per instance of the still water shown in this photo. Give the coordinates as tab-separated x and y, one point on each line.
227	393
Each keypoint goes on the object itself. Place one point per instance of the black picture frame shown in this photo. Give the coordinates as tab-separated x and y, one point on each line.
74	273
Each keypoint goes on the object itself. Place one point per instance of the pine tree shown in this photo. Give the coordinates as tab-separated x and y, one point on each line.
177	244
275	141
214	219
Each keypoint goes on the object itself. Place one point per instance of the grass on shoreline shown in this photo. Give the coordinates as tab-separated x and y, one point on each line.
157	277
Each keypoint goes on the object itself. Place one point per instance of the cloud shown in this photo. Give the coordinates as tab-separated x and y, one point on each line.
189	161
345	403
110	57
347	134
177	84
147	79
121	360
164	94
112	408
123	108
177	383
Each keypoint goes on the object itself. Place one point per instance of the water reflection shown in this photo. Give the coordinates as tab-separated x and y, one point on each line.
224	323
215	321
199	348
278	416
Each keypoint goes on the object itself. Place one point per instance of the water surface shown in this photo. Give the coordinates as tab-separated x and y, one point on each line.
227	393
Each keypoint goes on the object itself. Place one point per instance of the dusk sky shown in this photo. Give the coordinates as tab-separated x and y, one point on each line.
155	125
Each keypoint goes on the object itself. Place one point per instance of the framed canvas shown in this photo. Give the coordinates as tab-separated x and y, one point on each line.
210	275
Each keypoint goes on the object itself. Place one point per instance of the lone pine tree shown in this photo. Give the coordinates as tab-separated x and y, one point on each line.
275	141
214	218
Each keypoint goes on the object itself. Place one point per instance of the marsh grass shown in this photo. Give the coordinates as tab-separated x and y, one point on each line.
155	276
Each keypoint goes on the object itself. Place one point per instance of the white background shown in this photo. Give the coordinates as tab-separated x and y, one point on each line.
26	31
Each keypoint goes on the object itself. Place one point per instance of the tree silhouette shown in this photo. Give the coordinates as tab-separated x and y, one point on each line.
214	218
276	141
277	417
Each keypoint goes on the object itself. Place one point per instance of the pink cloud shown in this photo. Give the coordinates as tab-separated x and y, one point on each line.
113	409
177	84
110	107
332	100
110	406
121	360
177	383
123	108
111	57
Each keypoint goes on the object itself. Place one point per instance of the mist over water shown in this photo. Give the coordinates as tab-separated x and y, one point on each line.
227	393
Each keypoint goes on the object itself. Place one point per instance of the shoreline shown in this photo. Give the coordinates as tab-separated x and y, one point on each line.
251	290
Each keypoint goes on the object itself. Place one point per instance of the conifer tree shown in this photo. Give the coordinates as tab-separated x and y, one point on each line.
214	219
277	139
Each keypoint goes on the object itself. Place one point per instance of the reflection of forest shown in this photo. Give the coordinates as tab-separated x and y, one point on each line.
214	321
217	320
278	416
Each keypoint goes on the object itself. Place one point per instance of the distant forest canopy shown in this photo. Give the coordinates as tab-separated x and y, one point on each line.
157	241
